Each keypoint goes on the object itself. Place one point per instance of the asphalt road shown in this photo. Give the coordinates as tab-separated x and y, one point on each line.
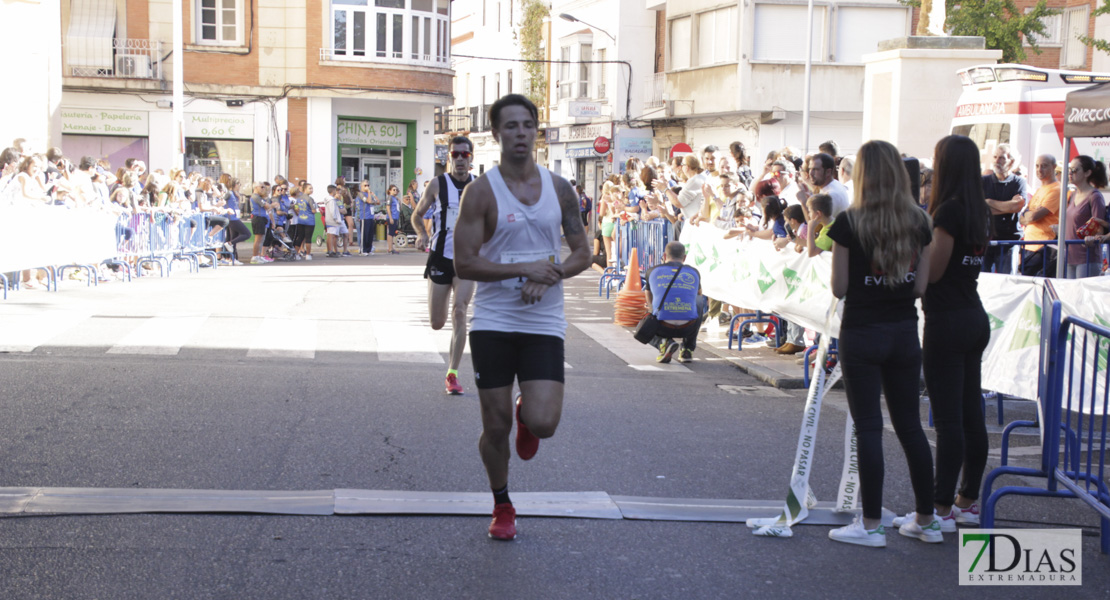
279	383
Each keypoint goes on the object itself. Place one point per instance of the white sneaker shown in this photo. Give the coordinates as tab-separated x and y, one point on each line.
967	516
929	533
236	263
947	523
856	534
257	260
308	257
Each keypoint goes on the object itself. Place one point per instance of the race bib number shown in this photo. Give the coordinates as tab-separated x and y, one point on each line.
523	256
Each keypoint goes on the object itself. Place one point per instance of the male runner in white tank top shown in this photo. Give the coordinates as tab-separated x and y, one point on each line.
507	239
443	195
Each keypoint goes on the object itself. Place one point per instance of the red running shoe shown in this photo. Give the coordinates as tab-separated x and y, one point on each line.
453	386
526	443
503	525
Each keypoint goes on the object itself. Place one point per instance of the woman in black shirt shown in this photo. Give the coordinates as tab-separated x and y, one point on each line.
880	267
956	329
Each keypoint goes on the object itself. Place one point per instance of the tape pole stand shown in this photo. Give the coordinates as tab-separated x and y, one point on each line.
799	497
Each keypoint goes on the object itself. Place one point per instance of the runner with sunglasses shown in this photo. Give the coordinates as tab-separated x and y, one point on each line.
442	197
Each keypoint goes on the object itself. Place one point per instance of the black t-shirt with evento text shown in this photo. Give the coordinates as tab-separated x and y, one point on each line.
869	299
958	287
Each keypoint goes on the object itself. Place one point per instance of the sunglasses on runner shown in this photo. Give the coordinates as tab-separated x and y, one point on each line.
457	154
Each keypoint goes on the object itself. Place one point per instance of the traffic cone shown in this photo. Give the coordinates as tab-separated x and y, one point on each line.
632	279
629	307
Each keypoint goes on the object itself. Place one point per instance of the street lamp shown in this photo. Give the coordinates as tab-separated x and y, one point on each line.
573	19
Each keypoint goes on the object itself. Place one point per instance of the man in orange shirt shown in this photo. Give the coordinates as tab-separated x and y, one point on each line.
1038	219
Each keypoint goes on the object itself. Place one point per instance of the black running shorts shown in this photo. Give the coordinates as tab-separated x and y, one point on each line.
440	270
500	356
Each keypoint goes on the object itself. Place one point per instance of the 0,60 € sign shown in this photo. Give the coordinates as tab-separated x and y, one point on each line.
219	126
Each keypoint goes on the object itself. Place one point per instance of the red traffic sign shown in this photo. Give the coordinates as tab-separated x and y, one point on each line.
681	149
601	144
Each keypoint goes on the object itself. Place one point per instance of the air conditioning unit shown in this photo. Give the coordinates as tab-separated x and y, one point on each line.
133	65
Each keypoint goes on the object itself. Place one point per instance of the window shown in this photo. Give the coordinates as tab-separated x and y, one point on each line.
779	32
1075	23
496	85
717	39
390	30
585	53
680	43
602	73
218	22
509	81
1052	26
860	29
564	73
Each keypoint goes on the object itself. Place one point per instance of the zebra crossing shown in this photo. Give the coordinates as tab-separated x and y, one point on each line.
290	337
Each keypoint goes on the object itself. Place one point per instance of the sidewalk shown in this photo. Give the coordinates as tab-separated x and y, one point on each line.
757	360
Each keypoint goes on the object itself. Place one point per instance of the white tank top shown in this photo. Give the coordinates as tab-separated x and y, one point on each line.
444	220
523	234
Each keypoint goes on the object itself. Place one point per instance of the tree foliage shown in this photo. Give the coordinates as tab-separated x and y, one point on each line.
1001	22
530	36
1098	44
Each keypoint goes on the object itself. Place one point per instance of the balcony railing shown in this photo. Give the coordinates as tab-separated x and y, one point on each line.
119	59
467	118
421	60
654	85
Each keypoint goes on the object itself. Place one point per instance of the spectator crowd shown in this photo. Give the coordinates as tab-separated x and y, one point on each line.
187	211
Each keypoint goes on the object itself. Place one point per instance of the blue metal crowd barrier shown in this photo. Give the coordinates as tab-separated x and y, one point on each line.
1094	254
1073	351
649	238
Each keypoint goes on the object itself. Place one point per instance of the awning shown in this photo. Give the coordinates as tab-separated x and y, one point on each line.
89	39
1087	112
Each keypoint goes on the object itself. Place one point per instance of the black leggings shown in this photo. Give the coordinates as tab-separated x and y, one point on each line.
369	232
953	353
886	358
236	232
298	236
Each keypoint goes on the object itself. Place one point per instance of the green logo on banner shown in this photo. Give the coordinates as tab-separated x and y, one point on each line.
1103	345
793	282
1028	327
766	280
716	258
995	322
697	253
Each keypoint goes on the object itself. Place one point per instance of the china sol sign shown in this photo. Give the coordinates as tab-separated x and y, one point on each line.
372	133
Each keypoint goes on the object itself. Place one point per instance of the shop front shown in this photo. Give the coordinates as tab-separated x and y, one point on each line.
115	135
376	151
217	143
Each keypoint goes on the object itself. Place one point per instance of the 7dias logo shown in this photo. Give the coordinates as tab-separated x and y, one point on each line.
1021	557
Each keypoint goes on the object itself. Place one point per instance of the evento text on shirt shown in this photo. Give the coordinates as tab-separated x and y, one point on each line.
882	279
973	261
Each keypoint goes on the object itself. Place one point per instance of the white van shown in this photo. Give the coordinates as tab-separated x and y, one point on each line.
1022	106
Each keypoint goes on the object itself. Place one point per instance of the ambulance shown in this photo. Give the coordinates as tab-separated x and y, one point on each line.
1022	106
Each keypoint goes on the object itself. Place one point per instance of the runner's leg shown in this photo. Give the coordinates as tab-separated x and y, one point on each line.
497	423
438	296
542	406
464	291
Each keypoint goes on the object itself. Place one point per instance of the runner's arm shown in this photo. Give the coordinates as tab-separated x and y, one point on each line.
421	209
573	230
476	224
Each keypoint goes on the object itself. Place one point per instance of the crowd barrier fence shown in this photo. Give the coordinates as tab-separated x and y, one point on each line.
1073	398
82	239
648	238
1017	257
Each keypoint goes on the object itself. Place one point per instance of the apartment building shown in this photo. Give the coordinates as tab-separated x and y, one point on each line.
484	52
595	55
304	88
735	70
1060	46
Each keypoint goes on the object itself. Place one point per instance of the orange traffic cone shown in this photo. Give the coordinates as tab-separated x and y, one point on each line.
630	307
632	279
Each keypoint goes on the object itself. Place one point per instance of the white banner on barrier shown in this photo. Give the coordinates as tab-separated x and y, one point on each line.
752	274
55	235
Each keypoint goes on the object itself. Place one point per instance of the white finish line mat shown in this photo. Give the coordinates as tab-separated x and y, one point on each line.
581	505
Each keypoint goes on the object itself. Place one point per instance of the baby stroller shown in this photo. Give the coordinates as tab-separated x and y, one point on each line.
278	241
406	234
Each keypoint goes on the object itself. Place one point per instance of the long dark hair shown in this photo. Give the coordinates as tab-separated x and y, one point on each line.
1097	169
956	178
773	209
